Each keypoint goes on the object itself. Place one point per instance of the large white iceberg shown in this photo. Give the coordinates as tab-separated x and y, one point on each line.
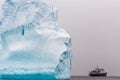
32	45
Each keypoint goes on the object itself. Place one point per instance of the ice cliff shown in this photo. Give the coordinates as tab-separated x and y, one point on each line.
31	40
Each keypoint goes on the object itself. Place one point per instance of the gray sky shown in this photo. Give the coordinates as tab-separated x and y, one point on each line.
94	26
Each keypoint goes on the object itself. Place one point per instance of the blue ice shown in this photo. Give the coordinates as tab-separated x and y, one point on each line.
32	45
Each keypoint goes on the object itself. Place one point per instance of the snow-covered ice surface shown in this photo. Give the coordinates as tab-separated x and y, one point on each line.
32	45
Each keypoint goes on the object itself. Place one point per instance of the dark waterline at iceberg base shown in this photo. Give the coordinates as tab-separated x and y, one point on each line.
50	76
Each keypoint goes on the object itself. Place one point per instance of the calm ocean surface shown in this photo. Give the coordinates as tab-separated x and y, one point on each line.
95	78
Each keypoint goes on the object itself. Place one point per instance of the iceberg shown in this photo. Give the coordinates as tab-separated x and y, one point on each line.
32	45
